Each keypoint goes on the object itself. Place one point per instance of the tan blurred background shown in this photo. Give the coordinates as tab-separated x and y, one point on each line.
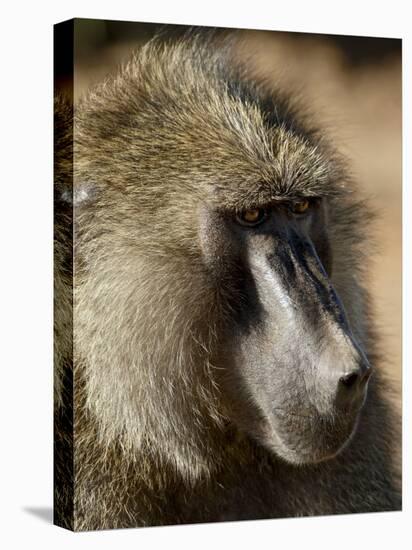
351	84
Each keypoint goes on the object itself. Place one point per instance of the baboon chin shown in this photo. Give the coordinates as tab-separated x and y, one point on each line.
310	440
222	334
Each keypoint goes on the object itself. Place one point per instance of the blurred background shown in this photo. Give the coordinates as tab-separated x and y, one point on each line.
352	85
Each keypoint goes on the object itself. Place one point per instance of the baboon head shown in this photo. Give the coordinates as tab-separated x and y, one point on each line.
291	367
219	252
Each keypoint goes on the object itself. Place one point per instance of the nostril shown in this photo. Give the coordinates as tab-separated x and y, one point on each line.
349	380
352	384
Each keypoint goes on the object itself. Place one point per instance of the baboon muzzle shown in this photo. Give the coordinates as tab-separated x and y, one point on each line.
304	311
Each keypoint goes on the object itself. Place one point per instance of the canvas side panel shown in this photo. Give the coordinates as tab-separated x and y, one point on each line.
63	276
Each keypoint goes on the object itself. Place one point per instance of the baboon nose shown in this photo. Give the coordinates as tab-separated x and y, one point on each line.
349	379
344	371
355	378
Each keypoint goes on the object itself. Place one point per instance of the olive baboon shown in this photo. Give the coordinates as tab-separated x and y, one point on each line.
221	326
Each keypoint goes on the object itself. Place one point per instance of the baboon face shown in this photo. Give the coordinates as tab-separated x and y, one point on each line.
291	369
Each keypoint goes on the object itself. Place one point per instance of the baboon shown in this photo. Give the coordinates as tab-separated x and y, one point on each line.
220	362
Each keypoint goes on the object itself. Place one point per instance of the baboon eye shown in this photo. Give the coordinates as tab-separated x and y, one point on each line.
251	217
299	206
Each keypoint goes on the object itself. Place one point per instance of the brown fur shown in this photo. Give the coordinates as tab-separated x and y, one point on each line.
153	440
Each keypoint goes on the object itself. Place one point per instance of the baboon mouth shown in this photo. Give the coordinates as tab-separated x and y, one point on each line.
334	418
309	438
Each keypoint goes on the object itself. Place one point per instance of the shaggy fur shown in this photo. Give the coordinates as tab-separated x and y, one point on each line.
153	440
